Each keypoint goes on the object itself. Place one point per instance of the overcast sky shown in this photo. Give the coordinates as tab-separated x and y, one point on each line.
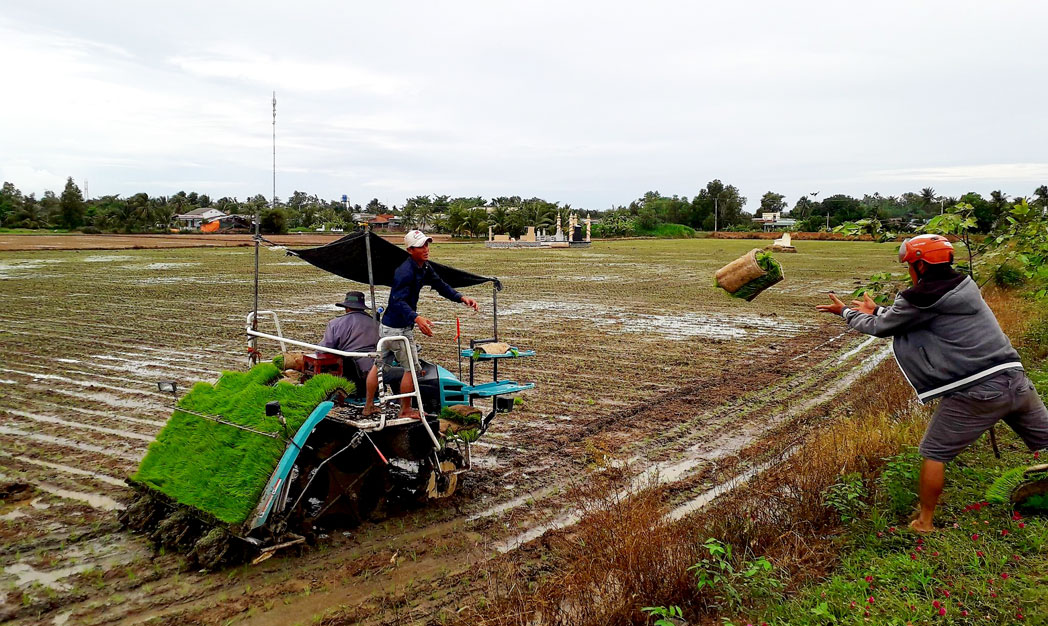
589	103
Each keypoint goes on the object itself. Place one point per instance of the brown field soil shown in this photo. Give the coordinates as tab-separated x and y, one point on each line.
644	371
137	242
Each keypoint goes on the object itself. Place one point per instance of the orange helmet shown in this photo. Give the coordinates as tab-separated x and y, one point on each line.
932	249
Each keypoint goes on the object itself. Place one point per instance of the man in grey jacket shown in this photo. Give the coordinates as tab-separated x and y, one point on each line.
949	345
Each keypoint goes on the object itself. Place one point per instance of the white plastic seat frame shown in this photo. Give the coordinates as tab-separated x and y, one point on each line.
377	354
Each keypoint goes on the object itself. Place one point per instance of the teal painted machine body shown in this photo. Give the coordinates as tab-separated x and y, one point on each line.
278	481
452	391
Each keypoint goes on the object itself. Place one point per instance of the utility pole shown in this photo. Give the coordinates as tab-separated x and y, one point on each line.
274	203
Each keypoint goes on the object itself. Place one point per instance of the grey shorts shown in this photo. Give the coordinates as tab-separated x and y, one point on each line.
396	349
964	415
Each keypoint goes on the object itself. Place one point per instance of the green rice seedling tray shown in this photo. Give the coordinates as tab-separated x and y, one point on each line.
219	469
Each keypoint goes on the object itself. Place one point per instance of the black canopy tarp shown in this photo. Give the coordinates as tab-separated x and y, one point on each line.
347	258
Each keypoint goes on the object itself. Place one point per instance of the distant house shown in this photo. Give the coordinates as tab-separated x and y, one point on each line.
229	224
384	221
198	217
774	220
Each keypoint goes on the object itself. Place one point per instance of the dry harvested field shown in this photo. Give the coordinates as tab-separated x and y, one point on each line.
642	365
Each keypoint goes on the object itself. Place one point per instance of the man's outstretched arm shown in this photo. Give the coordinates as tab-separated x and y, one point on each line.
877	321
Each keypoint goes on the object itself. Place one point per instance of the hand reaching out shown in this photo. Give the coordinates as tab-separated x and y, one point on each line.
424	325
836	306
866	305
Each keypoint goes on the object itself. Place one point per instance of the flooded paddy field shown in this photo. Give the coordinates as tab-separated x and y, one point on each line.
642	365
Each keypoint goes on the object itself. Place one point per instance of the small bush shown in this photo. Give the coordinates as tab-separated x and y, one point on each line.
90	230
846	497
898	482
1008	275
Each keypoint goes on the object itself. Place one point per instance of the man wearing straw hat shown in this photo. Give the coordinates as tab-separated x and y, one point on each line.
356	331
401	318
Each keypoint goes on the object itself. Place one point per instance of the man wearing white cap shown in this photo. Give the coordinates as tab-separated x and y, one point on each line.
400	317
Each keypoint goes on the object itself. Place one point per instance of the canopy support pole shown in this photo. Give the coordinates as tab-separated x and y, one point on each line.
371	272
252	352
495	322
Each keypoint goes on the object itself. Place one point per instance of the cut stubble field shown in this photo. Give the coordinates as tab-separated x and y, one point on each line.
643	367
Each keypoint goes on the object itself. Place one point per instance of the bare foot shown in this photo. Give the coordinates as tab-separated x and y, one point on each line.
412	413
370	410
920	527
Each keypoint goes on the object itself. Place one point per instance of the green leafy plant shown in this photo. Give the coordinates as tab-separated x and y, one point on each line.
846	497
665	614
883	287
718	575
868	226
898	481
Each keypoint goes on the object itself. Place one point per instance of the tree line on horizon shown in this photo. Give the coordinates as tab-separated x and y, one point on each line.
715	206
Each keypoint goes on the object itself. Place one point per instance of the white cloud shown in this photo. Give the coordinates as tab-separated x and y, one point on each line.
985	172
585	102
289	74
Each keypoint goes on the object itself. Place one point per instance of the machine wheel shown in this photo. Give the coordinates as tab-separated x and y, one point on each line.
344	497
441	484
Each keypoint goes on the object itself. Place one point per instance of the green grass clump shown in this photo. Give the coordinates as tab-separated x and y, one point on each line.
772	275
1000	491
218	468
984	564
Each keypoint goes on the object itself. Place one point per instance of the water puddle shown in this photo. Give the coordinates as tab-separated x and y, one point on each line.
736	481
69	443
312	309
511	504
197	280
94	500
24	269
13	515
106	258
48	419
160	266
856	350
126	418
691	325
27	575
116	482
39	376
673	327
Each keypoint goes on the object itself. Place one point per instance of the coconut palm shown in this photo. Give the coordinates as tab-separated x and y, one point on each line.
499	219
1041	193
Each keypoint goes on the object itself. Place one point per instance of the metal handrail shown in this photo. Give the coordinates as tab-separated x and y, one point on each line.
382	342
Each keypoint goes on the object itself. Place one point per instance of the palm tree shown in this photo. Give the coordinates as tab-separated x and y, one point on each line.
1041	194
476	221
499	219
456	220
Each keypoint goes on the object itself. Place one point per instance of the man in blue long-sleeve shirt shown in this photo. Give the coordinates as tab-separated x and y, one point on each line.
401	318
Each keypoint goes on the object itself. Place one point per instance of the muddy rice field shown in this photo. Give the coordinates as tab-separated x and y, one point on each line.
642	364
